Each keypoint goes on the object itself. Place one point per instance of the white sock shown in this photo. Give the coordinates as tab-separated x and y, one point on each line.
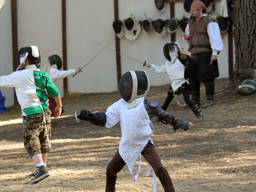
39	164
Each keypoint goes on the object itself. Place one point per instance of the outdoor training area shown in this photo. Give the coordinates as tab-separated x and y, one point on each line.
127	96
218	155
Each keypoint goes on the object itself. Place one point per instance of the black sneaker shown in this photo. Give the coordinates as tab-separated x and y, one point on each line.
33	174
41	173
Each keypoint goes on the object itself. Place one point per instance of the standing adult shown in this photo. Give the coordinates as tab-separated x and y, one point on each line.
203	36
32	87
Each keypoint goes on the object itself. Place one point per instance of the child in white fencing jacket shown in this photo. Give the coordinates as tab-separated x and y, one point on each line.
134	114
175	69
56	74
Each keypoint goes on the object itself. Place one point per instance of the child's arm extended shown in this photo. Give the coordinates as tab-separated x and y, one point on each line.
154	109
108	119
97	118
155	68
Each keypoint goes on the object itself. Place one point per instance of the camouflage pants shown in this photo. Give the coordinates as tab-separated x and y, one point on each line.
37	134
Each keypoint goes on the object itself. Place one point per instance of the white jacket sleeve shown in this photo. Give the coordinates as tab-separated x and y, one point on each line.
158	69
56	74
113	114
11	80
215	37
187	30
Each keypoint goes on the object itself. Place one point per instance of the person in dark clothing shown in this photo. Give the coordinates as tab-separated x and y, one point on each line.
203	36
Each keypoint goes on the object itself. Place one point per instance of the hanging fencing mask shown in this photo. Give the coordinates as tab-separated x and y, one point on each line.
183	23
133	85
187	5
223	23
161	5
147	26
159	26
55	60
172	25
132	27
31	53
118	28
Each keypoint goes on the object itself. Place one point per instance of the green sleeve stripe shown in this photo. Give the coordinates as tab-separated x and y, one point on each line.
35	109
52	89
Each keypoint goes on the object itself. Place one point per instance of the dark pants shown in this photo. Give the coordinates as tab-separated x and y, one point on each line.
209	89
201	71
152	157
184	90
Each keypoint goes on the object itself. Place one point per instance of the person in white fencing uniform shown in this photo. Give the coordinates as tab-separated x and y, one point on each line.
134	112
175	69
56	74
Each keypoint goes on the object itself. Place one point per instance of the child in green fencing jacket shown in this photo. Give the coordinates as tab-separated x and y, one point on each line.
32	88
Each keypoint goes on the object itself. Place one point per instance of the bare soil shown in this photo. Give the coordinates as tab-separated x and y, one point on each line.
218	155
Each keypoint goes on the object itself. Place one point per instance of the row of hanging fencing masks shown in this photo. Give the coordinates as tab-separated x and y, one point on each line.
129	27
55	60
161	26
31	53
133	85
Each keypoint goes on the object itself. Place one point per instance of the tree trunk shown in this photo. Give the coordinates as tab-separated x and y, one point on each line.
245	39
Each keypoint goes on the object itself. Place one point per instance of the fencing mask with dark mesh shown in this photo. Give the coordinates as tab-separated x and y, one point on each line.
172	25
224	24
133	85
118	28
183	23
147	25
55	60
159	26
160	5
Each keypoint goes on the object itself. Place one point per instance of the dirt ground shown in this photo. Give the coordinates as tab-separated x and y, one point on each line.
218	155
